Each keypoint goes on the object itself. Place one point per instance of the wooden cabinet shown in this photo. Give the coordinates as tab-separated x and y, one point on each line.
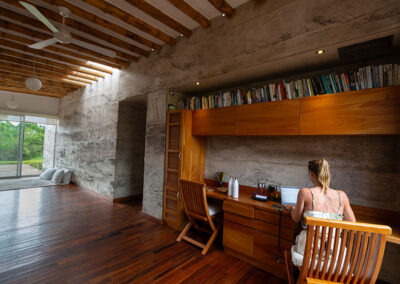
372	111
273	118
238	238
218	121
184	158
258	236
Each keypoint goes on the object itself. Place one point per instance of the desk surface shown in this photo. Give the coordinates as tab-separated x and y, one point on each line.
363	214
245	199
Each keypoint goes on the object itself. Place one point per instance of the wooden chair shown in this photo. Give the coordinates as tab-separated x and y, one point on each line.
340	252
194	199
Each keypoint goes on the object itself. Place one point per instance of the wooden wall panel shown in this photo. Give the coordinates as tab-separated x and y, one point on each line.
373	111
218	121
273	118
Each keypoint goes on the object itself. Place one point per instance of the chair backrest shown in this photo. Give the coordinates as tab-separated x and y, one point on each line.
341	251
194	199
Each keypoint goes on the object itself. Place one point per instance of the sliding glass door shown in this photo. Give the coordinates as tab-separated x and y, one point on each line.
10	144
26	145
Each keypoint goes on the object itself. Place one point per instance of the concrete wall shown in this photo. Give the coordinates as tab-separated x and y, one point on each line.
264	37
87	135
130	149
48	146
365	167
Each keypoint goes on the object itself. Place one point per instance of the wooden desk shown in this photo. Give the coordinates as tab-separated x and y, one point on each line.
252	229
255	231
363	214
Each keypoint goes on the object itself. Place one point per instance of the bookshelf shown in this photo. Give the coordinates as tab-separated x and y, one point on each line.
364	112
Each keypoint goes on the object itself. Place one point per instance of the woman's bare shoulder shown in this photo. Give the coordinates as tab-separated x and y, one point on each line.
304	192
343	194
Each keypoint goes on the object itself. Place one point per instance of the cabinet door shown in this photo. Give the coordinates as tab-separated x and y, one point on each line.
238	238
273	118
372	111
173	209
216	121
266	251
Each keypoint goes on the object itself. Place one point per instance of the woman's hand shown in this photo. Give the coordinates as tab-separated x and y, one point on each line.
289	207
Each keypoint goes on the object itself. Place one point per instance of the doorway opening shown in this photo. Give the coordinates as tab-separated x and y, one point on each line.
131	132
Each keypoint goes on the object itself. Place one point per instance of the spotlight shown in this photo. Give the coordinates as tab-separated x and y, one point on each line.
197	83
223	14
320	51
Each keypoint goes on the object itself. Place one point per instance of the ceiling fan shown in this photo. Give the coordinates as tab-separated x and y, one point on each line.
60	34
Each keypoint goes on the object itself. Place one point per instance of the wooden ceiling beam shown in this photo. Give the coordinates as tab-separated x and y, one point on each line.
52	56
11	15
20	83
53	48
223	7
16	89
191	12
24	70
160	16
51	65
116	12
83	28
77	11
45	81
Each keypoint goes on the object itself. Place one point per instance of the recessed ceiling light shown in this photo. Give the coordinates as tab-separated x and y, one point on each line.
181	35
152	49
320	51
197	83
223	14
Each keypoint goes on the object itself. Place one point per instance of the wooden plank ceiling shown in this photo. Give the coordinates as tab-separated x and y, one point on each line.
106	34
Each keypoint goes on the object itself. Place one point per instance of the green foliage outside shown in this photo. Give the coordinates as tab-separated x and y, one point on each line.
33	144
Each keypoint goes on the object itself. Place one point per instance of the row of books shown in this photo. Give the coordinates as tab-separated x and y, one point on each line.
373	76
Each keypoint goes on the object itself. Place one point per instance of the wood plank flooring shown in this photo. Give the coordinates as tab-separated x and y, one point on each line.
67	234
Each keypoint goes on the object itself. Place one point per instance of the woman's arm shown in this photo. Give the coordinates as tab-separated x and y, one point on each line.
297	212
348	214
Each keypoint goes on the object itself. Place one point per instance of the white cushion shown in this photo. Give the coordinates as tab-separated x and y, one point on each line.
67	176
58	177
47	174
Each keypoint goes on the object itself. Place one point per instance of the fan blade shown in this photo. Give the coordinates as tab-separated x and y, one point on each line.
106	52
34	11
42	44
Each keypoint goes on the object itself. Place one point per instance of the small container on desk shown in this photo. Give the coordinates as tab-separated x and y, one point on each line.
260	194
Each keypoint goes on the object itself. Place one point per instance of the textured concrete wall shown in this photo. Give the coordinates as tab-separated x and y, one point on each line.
48	146
130	149
154	154
365	167
260	40
87	134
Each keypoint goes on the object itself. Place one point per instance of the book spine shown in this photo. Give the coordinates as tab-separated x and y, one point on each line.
282	91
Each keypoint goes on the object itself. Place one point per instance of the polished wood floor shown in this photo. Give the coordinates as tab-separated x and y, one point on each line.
67	234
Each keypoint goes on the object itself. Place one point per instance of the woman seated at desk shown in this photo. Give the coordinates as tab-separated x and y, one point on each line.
319	201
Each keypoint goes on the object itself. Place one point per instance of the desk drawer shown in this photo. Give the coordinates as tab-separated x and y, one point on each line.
238	238
239	209
270	243
286	234
244	221
273	218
